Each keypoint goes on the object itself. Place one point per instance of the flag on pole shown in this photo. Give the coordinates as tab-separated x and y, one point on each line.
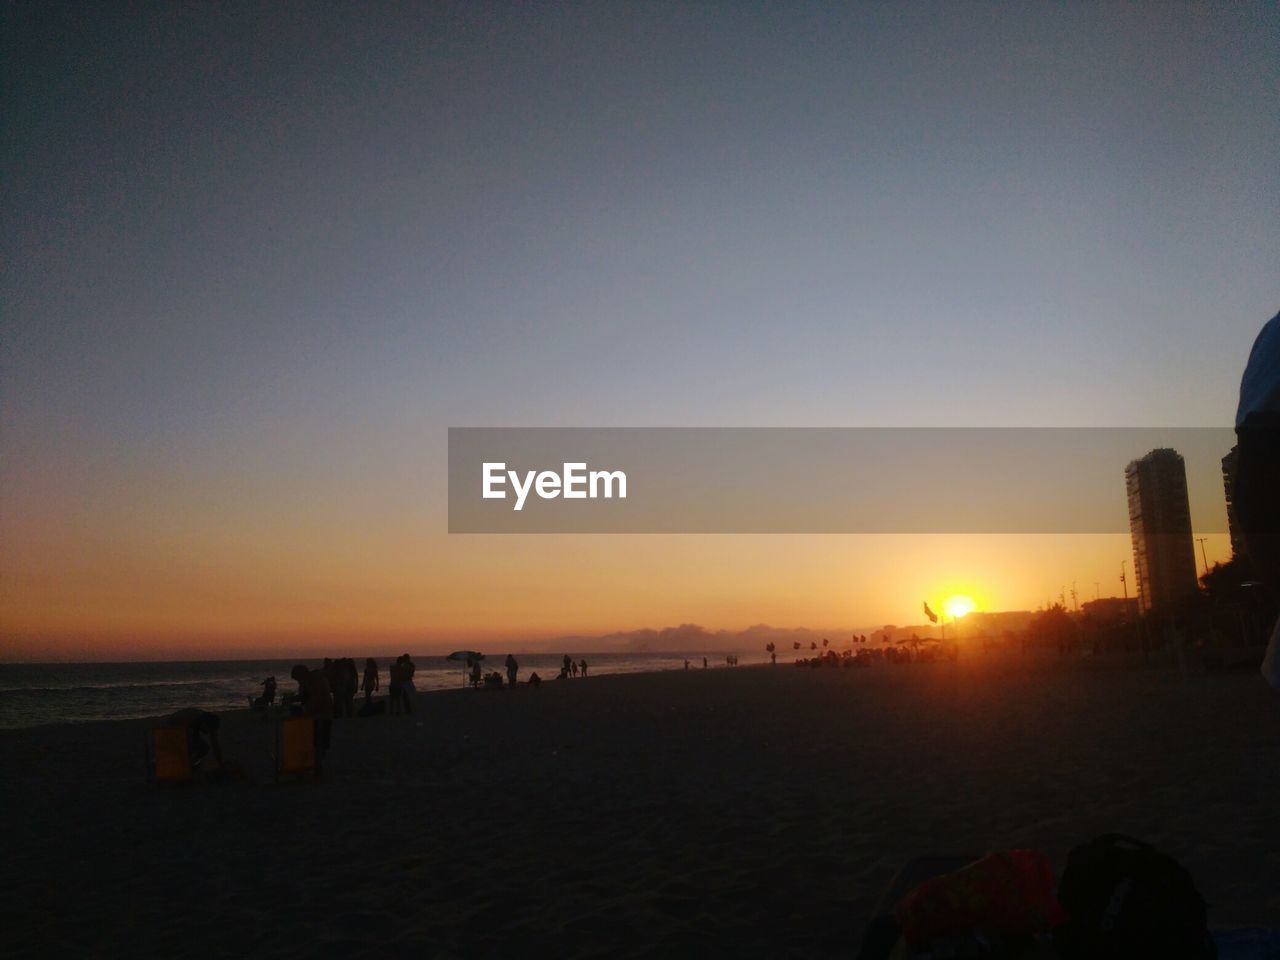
933	617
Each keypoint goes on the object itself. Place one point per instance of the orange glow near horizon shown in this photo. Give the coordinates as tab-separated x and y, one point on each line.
957	605
151	593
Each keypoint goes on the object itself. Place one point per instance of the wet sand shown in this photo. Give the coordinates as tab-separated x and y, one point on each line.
757	811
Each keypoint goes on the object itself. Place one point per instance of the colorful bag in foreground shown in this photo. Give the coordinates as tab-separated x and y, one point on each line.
1127	899
1006	894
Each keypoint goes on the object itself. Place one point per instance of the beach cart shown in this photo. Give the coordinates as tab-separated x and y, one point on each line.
296	751
168	755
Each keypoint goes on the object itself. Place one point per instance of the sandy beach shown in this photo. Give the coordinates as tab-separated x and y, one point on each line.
749	812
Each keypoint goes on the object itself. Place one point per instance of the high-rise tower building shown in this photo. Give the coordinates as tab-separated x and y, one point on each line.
1164	558
1228	487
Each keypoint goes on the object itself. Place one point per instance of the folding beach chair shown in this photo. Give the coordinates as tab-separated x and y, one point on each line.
169	755
296	746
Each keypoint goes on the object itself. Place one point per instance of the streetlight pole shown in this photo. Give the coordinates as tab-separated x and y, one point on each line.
1123	582
1201	540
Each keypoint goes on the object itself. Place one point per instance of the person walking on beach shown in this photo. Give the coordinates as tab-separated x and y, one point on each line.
316	697
370	684
475	673
512	669
1256	493
566	669
583	667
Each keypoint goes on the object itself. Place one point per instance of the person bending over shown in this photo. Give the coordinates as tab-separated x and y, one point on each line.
316	698
199	724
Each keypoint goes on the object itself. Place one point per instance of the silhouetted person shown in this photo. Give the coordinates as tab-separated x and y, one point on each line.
475	673
371	679
1256	494
407	690
573	667
199	724
534	680
408	693
268	695
686	664
513	668
567	668
316	698
704	663
344	679
583	667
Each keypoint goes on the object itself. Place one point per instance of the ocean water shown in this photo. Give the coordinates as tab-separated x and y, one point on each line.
35	693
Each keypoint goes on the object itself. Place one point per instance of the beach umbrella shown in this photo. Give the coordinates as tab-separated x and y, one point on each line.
467	657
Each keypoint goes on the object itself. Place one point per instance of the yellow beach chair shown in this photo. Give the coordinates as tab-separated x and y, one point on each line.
168	755
296	746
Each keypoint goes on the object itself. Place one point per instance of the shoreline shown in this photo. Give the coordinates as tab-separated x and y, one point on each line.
431	678
1199	661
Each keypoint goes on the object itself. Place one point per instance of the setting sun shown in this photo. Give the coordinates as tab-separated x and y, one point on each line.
957	606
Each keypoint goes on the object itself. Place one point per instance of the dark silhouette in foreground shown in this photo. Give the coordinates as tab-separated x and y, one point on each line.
1256	494
1117	898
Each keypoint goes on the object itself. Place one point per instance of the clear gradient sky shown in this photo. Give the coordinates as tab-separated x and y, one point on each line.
258	257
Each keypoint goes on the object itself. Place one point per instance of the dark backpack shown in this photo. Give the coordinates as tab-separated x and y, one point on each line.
1126	899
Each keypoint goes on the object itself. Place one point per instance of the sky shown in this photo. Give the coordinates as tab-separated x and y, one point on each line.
258	258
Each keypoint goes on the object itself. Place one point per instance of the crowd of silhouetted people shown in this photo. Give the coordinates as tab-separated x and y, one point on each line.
330	692
917	651
572	668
